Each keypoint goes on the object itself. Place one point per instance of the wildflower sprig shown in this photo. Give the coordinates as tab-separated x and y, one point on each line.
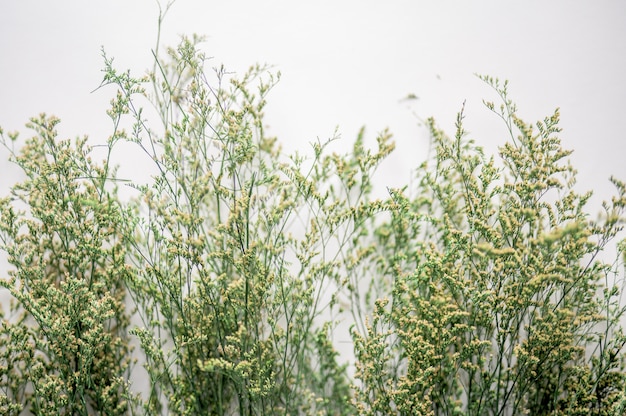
69	319
497	299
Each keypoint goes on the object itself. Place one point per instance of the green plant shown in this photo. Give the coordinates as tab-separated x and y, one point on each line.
64	346
478	291
234	246
499	302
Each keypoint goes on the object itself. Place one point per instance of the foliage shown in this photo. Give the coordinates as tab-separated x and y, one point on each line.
64	346
478	291
499	302
234	247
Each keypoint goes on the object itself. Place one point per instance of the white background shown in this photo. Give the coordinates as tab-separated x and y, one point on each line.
345	64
